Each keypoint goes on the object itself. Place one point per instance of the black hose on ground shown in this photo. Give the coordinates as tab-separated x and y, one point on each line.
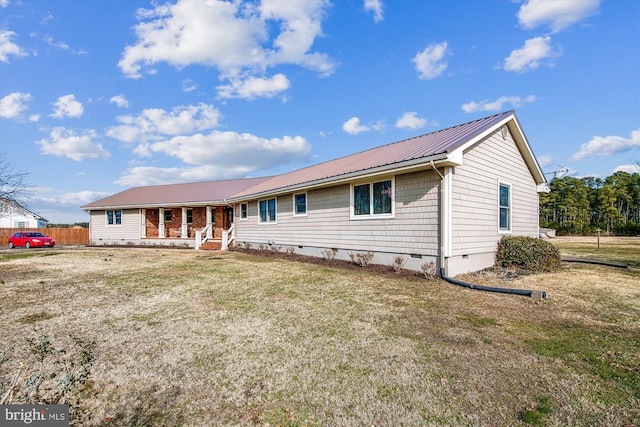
523	292
594	261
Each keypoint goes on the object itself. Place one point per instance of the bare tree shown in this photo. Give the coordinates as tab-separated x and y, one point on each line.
13	183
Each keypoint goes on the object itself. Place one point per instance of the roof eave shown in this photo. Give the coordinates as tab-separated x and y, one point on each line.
511	121
406	166
155	205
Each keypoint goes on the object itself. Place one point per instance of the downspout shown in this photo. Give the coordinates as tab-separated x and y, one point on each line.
443	219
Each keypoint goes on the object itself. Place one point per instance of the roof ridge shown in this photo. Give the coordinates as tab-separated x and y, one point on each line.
398	142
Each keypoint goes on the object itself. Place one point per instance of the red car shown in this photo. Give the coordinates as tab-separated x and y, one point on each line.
30	239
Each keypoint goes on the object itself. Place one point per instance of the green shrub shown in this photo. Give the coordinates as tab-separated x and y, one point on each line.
528	253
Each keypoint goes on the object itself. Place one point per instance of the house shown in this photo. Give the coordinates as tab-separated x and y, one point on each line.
14	216
447	197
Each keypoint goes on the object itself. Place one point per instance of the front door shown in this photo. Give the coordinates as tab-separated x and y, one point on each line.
227	218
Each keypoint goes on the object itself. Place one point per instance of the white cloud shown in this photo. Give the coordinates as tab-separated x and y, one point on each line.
150	175
254	87
67	106
557	14
607	146
376	7
64	142
498	104
61	45
234	37
632	168
12	105
7	47
528	57
231	148
430	62
188	85
4	3
217	155
155	123
545	160
410	120
55	196
354	127
120	100
33	118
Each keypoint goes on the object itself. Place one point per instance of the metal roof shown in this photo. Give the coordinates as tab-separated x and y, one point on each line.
418	151
426	146
197	193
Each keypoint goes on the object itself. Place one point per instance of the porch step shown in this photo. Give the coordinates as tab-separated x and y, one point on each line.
211	246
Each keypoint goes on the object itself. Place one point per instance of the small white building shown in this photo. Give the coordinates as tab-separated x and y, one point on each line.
14	216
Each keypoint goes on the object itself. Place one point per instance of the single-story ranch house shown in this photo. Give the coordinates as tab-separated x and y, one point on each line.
447	197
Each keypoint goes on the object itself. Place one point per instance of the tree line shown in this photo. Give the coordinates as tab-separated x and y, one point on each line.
582	205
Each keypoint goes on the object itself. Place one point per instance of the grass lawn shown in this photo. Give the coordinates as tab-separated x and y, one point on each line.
179	337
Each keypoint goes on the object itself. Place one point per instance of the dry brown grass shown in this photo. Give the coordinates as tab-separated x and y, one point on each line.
182	337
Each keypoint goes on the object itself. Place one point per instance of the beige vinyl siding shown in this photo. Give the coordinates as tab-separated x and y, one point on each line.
475	196
129	229
414	228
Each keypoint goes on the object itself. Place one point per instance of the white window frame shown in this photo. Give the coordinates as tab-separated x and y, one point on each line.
115	223
246	211
372	215
269	220
306	207
509	208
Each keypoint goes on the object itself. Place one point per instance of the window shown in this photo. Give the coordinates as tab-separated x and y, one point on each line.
244	211
189	216
372	199
167	215
114	217
300	204
505	208
268	210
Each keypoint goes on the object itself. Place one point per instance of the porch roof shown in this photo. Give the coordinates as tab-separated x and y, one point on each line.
189	194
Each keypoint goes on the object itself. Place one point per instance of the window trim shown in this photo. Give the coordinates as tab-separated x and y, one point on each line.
115	218
170	213
246	211
509	208
189	212
371	214
306	208
275	211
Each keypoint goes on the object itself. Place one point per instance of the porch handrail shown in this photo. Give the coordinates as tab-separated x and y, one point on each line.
228	236
202	240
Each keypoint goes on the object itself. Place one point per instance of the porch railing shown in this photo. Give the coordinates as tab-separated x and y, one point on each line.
200	240
228	236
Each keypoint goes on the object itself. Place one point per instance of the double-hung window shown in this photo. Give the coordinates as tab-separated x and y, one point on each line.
504	209
114	217
372	199
300	204
189	216
167	215
267	210
244	211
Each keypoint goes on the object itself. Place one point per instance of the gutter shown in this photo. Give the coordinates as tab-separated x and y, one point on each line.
443	219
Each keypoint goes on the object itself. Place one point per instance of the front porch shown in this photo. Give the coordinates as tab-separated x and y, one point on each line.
201	227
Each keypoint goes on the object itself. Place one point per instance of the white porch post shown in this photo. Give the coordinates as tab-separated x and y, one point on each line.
143	223
209	222
161	224
183	232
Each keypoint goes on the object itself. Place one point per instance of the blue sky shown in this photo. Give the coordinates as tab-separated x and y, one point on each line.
99	96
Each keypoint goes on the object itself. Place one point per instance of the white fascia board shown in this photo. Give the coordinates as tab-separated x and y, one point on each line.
521	141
